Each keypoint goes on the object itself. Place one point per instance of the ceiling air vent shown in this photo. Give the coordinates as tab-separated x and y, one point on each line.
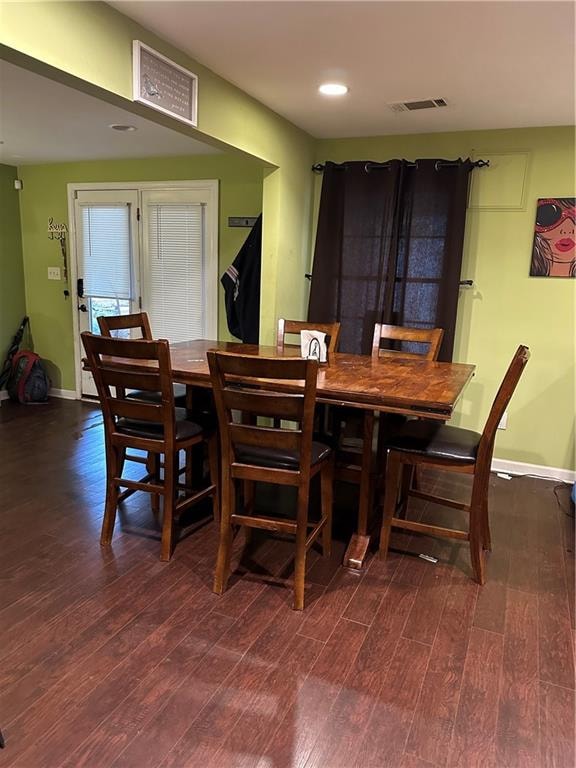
411	106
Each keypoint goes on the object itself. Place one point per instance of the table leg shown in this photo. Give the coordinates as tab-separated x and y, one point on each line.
358	546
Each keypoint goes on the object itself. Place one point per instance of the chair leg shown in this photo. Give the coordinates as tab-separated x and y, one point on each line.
393	476
121	460
486	537
225	545
153	466
113	462
476	542
409	473
327	494
168	523
248	494
189	475
300	558
213	464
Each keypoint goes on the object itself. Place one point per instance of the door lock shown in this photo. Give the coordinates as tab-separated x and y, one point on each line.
82	308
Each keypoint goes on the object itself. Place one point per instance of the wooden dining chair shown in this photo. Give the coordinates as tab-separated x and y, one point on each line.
295	327
407	342
252	452
453	449
156	427
355	464
112	326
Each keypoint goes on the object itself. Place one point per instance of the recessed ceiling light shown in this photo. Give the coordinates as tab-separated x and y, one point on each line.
333	89
118	127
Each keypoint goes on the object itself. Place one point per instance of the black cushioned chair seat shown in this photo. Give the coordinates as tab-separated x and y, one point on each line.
148	429
277	459
154	397
436	440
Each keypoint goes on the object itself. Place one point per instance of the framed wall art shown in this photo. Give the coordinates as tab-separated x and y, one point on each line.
554	246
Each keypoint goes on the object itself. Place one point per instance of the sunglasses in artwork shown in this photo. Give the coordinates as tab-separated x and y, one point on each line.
551	212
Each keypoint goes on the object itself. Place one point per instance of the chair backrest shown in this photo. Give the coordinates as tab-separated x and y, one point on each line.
104	355
430	337
332	331
108	324
503	397
253	386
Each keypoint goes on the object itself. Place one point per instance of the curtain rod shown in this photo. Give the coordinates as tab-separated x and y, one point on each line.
319	167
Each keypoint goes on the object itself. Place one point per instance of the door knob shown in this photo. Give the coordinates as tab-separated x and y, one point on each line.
83	308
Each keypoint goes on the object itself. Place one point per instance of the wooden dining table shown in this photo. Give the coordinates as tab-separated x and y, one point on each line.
387	384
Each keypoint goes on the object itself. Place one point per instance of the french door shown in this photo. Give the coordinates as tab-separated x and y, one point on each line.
108	273
152	248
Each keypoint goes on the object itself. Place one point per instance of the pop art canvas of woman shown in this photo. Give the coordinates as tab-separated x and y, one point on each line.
554	249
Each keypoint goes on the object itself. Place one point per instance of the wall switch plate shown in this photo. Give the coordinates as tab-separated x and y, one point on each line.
503	421
54	273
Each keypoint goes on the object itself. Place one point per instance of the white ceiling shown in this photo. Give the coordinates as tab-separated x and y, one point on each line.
42	121
498	64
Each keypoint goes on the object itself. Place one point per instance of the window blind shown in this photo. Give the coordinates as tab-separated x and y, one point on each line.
106	251
176	301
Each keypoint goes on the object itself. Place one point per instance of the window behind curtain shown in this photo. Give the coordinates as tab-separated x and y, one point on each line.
389	248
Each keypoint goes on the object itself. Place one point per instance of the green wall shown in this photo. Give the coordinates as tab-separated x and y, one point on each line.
12	301
506	307
89	45
45	195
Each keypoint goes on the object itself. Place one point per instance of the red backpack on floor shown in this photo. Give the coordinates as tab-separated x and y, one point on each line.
28	381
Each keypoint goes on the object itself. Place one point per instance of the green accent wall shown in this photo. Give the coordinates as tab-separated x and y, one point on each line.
505	307
45	195
89	45
12	301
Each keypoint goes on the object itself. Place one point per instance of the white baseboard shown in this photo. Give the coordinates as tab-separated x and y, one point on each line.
520	468
64	394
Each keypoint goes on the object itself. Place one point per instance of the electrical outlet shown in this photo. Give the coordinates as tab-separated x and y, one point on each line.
503	421
54	273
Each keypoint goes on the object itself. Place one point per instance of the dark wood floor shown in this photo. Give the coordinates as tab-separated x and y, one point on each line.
111	658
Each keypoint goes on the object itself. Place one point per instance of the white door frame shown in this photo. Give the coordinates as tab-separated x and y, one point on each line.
209	186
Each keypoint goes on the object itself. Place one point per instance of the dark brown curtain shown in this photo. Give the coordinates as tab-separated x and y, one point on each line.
389	248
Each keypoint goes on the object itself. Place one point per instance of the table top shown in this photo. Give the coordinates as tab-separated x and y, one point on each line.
390	383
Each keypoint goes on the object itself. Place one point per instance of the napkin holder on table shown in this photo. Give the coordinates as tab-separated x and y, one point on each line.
313	345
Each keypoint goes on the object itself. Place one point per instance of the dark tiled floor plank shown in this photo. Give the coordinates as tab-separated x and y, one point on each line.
113	659
367	598
296	735
281	687
342	734
554	622
436	710
278	644
474	730
517	733
134	713
426	613
80	691
557	708
385	738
